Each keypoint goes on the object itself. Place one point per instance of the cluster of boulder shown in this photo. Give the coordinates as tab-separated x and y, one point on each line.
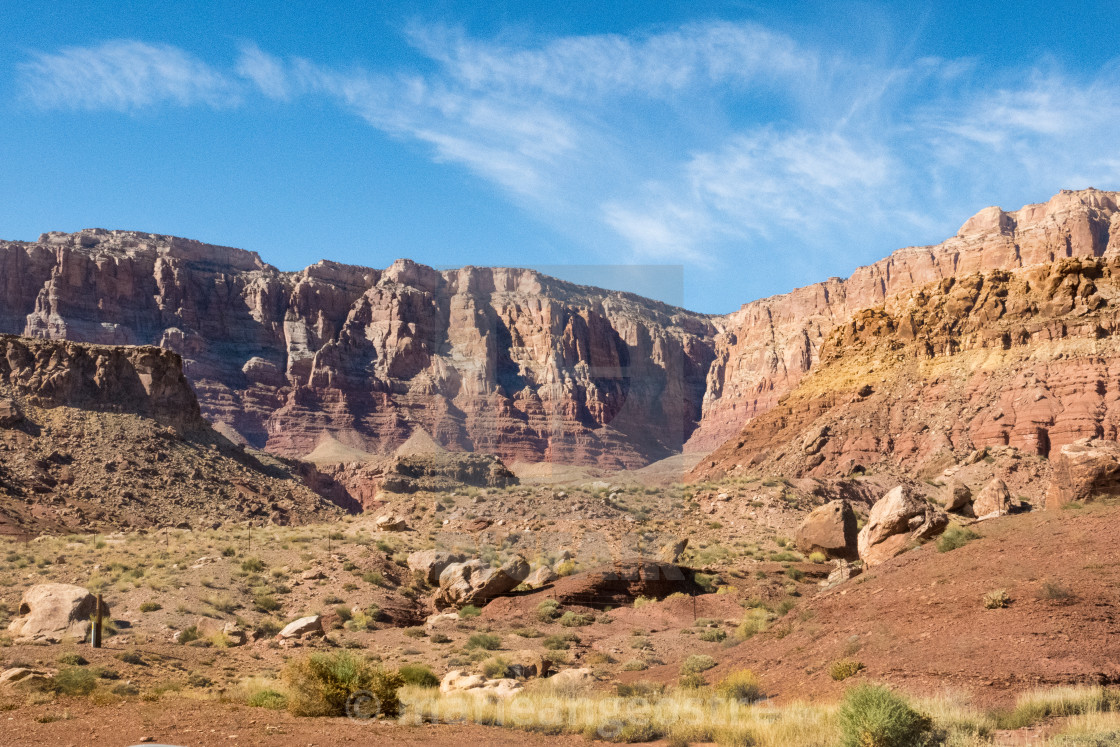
897	521
463	582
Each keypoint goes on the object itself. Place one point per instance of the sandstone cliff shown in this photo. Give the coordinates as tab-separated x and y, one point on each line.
768	346
504	361
996	364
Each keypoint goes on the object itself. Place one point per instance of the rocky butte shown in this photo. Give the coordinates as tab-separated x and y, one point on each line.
506	361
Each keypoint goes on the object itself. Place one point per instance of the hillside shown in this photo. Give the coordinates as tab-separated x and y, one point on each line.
966	376
97	437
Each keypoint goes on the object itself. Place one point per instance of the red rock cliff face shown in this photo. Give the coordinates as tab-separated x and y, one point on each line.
506	361
499	360
1018	363
767	346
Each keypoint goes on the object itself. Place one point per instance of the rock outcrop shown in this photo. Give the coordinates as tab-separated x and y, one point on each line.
764	349
504	361
1084	470
52	613
95	436
972	378
898	520
431	563
475	582
992	501
829	529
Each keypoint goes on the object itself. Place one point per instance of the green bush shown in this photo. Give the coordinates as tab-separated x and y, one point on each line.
469	611
575	620
547	610
844	668
743	686
322	684
73	659
268	699
252	565
150	606
495	667
875	716
484	641
265	602
419	675
74	681
712	635
697	663
186	635
131	657
955	537
559	642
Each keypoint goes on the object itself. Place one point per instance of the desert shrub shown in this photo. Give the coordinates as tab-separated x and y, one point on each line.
495	667
252	565
418	674
267	698
794	574
221	602
706	581
691	681
131	657
843	669
818	557
697	663
415	632
439	638
635	665
527	633
265	602
640	602
373	577
575	620
186	635
74	681
333	599
73	659
755	621
712	635
469	611
1052	591
195	679
344	613
547	610
322	685
743	686
998	599
150	606
955	537
484	641
229	552
566	568
875	716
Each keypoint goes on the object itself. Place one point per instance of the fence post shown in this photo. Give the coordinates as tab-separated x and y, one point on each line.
95	637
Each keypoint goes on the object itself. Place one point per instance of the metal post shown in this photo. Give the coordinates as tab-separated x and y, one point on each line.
95	638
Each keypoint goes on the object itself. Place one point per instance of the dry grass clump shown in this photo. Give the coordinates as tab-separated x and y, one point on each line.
844	668
323	685
997	600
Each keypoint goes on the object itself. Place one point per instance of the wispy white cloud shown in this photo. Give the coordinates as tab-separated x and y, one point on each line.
681	145
122	76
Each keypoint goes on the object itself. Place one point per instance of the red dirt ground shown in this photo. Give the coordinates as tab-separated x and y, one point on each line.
919	620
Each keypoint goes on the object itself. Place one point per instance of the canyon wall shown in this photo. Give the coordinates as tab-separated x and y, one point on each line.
506	361
767	346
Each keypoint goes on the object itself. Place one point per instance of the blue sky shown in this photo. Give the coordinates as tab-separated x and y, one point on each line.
760	146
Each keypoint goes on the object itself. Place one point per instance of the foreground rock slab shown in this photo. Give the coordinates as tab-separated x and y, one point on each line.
897	520
55	612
